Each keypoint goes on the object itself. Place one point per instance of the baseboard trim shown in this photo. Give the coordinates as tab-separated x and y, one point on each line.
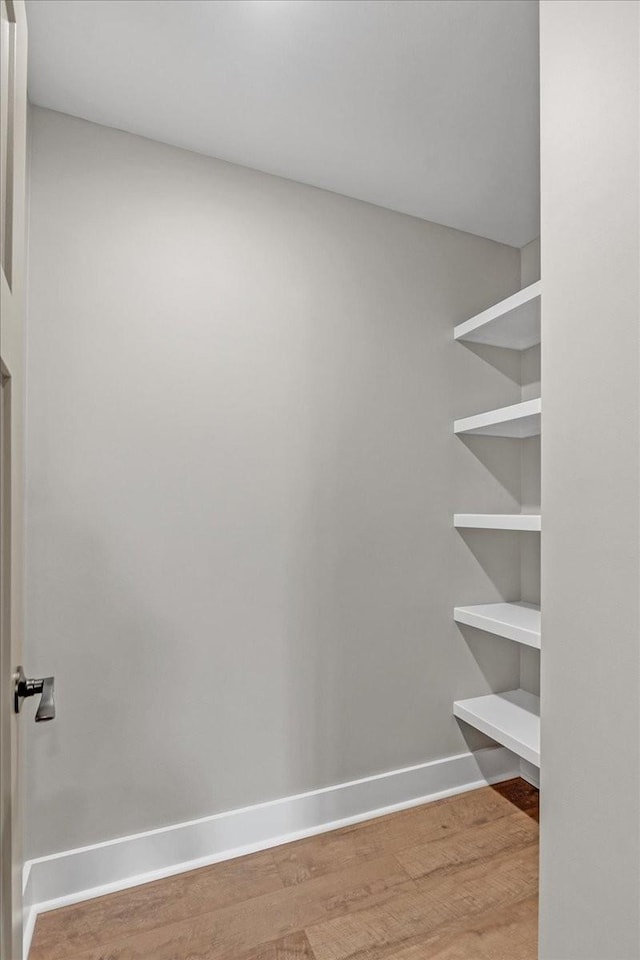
530	773
75	875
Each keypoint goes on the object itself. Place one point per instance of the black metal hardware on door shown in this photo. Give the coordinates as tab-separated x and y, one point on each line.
30	688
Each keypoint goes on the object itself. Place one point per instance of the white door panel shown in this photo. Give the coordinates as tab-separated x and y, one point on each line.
13	117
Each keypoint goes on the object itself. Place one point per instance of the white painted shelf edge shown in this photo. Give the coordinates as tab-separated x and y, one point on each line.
513	323
517	420
498	521
511	718
519	621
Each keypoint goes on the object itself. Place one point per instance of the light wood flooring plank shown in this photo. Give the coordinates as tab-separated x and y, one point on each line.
293	947
414	914
506	933
225	934
329	852
479	844
61	933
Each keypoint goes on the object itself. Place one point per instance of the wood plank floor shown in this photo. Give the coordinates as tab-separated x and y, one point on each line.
452	880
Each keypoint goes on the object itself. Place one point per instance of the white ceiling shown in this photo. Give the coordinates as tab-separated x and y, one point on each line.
429	107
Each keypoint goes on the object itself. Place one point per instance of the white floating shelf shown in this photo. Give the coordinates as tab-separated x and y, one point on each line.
498	521
518	420
513	323
511	718
515	621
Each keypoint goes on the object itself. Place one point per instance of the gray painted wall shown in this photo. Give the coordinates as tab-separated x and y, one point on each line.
241	565
590	112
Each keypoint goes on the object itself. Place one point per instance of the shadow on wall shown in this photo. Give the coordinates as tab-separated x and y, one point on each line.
505	361
496	659
493	454
489	548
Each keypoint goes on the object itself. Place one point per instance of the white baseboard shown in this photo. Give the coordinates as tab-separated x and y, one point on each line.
74	875
530	773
